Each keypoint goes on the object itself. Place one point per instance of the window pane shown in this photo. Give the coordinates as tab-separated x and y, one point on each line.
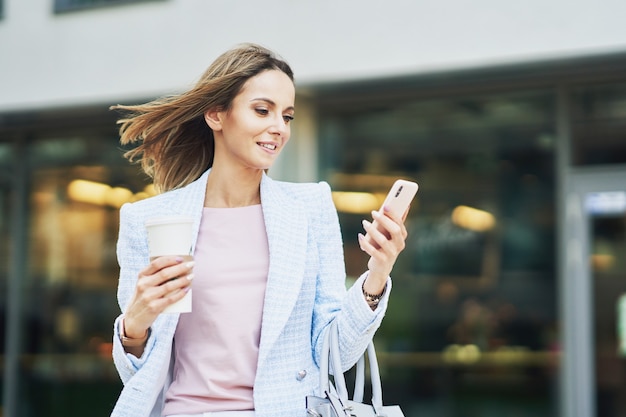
76	189
599	125
471	324
608	233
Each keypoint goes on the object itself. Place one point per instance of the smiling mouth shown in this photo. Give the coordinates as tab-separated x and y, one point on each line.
268	146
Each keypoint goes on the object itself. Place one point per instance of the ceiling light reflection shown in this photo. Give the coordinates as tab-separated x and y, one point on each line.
92	192
473	219
357	202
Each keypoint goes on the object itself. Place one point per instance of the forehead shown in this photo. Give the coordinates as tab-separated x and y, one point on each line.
271	84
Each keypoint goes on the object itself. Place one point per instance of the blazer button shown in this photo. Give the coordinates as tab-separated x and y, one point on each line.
301	375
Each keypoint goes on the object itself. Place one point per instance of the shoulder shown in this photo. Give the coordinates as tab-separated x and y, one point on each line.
150	204
304	191
170	202
310	196
314	198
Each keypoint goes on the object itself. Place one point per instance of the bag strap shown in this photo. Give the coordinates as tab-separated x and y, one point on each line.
359	382
337	396
332	337
324	370
335	358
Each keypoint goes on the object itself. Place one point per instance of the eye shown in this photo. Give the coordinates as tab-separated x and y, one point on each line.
262	111
287	118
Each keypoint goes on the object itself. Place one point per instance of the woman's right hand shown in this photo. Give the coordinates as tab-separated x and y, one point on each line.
163	282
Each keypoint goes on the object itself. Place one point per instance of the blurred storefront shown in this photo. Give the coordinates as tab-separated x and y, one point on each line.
504	303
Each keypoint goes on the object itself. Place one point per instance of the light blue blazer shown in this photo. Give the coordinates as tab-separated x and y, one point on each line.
306	289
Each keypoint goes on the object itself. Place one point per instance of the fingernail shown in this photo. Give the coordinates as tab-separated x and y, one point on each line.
375	214
190	277
179	259
385	208
190	264
366	223
187	289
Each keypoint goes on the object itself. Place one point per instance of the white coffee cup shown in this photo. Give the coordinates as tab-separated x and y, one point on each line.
171	236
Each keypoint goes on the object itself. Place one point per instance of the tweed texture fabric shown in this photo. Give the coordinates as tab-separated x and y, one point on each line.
306	290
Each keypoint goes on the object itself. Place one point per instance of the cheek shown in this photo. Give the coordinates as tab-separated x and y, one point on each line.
255	126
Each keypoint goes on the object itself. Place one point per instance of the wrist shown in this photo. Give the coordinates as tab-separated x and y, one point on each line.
374	283
373	297
131	340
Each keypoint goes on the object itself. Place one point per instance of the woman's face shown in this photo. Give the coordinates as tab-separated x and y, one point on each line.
257	126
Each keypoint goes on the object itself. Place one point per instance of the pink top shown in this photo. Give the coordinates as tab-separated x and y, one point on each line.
216	346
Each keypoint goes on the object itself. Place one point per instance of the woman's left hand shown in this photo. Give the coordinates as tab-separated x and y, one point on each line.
385	239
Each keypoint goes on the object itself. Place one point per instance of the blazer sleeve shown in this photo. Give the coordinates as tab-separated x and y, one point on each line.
132	255
356	321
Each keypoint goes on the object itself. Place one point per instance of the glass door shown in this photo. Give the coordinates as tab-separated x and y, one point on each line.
594	295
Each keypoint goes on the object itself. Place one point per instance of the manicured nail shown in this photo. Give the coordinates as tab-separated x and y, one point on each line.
361	236
190	264
187	289
190	277
375	214
179	259
366	224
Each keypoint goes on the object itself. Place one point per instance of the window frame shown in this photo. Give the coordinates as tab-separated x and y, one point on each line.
62	6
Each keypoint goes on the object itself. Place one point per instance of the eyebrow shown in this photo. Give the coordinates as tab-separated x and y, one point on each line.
271	102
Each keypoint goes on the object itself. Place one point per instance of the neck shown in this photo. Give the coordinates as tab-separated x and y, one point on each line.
228	188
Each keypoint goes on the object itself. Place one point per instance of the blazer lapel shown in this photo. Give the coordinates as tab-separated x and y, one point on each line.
286	226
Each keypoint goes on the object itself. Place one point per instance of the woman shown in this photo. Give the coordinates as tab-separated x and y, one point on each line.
268	271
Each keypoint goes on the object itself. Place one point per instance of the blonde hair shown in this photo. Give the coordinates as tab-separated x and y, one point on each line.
174	143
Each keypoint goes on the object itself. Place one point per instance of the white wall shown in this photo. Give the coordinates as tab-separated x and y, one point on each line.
118	54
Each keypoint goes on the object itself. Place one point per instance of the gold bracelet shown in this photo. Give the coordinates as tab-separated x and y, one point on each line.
131	341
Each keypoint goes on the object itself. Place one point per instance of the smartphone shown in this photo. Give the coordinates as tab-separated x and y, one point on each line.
398	199
400	196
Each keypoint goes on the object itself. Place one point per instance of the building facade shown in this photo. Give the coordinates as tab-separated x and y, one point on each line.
512	118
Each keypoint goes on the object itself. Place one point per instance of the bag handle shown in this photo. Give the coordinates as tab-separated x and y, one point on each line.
329	359
332	356
337	400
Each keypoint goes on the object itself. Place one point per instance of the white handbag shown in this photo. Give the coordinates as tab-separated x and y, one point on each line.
335	401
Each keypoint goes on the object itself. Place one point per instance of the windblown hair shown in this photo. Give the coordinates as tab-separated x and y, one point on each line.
174	143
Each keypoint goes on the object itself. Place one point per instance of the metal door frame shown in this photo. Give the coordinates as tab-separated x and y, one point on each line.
577	365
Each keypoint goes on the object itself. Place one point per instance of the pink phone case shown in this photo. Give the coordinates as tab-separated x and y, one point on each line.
400	196
398	199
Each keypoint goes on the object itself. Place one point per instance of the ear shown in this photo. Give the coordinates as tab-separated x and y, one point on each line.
213	118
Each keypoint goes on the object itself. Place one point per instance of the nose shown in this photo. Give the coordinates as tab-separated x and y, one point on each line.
280	126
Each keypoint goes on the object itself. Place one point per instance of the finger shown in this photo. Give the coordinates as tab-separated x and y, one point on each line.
374	232
151	307
405	215
175	284
149	296
394	228
388	213
387	224
170	298
159	263
366	246
378	244
169	273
